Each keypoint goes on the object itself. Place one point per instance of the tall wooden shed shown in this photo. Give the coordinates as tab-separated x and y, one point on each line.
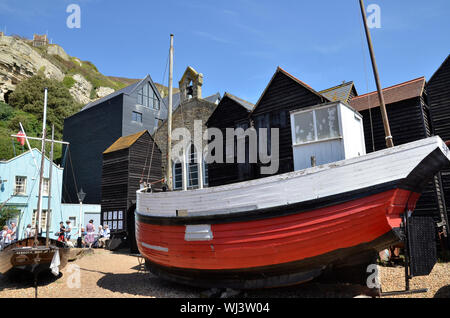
232	112
127	162
438	89
409	119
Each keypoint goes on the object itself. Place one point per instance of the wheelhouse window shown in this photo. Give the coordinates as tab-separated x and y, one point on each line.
316	125
137	117
148	98
21	185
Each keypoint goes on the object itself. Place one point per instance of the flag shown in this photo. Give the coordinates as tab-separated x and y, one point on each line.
21	140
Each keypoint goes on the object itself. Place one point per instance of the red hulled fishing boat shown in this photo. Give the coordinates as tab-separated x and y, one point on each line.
287	228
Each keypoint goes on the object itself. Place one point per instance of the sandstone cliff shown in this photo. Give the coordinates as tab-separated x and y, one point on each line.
19	60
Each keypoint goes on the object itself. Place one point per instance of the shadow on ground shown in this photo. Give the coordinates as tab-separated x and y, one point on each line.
444	292
17	279
146	284
313	289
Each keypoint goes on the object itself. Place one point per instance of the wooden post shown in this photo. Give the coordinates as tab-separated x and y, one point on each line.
387	130
41	172
169	120
50	174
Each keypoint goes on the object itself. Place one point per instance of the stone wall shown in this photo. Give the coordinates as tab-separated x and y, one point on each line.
184	116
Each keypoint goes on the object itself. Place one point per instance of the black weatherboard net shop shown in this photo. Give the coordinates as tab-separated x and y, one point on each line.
126	163
407	105
438	89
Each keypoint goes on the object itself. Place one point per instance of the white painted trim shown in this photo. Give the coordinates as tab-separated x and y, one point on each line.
154	247
201	232
317	141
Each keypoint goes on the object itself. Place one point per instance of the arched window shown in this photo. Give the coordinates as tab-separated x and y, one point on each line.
177	176
191	171
192	167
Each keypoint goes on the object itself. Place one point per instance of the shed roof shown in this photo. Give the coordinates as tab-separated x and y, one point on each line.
247	105
392	94
295	79
124	142
339	93
446	62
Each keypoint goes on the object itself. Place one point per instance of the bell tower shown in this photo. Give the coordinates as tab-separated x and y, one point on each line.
190	85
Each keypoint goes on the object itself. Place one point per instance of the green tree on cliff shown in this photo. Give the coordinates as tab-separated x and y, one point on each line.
29	97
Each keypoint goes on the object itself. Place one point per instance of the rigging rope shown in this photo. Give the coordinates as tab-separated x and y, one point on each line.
73	173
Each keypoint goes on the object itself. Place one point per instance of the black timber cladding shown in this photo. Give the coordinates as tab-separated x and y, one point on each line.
89	133
122	173
226	115
409	121
283	94
95	128
438	89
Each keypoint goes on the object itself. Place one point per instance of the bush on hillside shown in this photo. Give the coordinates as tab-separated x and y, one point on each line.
29	97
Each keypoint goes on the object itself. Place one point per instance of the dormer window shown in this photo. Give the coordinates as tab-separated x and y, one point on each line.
147	97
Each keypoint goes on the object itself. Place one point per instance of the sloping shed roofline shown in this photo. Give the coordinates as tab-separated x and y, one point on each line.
126	142
279	69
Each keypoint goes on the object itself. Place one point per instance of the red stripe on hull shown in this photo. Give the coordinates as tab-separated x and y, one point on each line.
277	240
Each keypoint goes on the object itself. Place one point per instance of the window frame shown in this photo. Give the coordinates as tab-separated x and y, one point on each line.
43	220
316	137
147	97
24	185
45	187
188	165
135	115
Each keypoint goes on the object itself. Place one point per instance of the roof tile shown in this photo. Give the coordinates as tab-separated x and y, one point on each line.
392	94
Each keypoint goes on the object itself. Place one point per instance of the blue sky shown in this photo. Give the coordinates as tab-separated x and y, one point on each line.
237	44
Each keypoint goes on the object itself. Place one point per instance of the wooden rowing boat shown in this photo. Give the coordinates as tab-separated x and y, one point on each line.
25	255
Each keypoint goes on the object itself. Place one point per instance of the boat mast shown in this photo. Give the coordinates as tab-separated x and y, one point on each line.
41	172
49	214
169	120
387	129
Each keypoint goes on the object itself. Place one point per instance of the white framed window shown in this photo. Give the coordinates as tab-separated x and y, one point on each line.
177	175
45	186
205	174
73	221
21	185
316	125
192	167
191	171
42	222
